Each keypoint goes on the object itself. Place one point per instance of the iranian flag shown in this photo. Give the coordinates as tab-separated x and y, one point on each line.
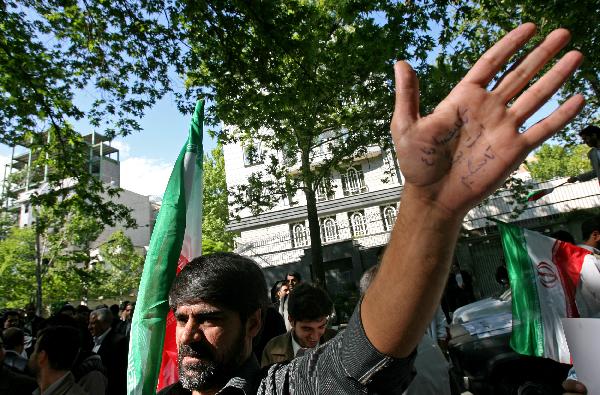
176	239
549	278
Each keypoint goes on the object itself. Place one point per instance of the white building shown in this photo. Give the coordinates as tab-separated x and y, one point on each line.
22	179
356	217
356	220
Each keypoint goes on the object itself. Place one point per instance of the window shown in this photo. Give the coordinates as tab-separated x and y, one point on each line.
329	229
358	224
299	235
389	217
252	155
325	190
353	182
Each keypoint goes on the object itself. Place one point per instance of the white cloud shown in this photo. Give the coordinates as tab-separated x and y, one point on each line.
123	148
145	176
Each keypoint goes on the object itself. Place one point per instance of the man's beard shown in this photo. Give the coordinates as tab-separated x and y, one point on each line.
207	373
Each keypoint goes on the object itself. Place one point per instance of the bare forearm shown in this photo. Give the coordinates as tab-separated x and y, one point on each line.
400	303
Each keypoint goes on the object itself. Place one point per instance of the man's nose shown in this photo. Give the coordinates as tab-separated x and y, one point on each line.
192	332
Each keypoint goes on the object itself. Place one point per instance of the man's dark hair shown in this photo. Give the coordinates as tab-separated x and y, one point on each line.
224	279
61	344
563	235
309	303
114	309
589	226
67	307
296	275
13	338
124	305
590	130
275	289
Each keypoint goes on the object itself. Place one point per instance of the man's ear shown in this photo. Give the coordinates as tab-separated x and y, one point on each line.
254	323
42	358
291	320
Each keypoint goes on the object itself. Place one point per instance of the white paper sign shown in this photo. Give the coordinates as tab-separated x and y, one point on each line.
582	338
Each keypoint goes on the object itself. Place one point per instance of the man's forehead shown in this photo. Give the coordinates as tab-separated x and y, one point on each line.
317	322
199	307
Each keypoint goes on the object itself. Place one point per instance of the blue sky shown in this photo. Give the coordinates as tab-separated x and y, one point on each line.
146	157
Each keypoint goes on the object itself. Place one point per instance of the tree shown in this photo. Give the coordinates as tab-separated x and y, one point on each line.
63	242
215	208
121	266
480	22
17	267
553	161
290	78
52	50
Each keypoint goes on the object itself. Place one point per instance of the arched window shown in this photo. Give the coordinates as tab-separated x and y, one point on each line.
389	217
353	182
330	231
299	236
358	224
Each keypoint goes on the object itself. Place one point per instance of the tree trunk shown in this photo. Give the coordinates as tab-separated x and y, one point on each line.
38	274
316	248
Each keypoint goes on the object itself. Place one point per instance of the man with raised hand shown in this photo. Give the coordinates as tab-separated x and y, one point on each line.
451	160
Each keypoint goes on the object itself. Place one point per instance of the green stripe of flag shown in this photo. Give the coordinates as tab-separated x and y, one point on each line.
528	333
148	325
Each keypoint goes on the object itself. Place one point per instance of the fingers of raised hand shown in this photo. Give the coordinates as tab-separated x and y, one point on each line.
534	97
493	59
542	130
515	79
406	110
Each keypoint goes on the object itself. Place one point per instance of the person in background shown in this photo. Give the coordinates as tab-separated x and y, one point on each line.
12	383
293	279
309	310
53	357
33	321
14	345
112	347
590	136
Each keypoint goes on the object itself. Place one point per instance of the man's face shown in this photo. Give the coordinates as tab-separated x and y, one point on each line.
210	343
96	326
128	312
12	321
284	290
308	333
292	281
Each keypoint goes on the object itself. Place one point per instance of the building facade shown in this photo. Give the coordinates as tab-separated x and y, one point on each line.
22	179
357	214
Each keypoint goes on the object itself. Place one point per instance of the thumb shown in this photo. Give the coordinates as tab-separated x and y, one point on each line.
406	110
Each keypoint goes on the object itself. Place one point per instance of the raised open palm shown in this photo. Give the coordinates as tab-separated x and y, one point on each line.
467	147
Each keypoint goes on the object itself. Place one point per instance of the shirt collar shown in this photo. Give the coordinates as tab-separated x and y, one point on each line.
98	339
52	386
296	346
244	378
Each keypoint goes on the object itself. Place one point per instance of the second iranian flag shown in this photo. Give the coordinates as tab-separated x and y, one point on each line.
546	280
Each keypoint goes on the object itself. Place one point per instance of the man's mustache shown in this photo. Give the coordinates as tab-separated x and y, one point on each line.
197	350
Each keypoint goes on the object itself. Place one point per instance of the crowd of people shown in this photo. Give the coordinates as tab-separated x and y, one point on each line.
75	351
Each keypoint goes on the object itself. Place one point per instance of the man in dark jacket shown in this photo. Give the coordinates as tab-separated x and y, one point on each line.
112	348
